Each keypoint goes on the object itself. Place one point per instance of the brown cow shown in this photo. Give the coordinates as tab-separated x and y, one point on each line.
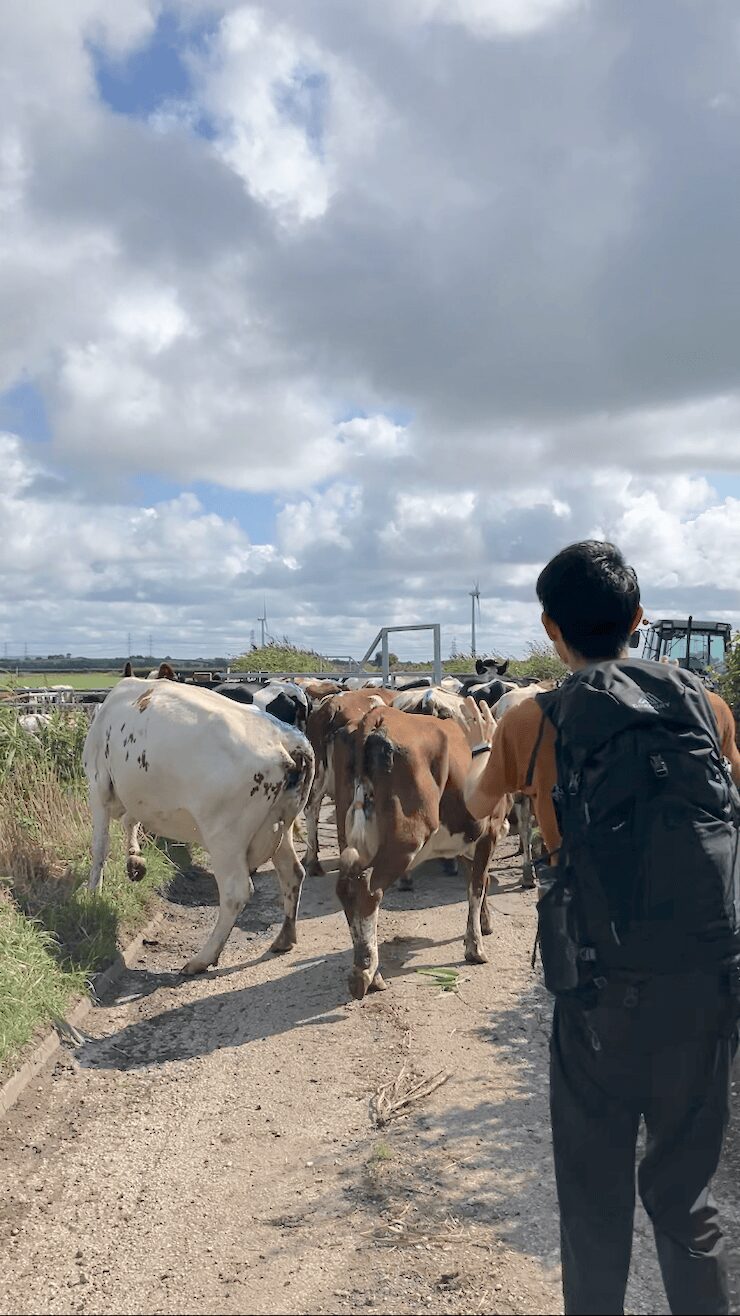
332	718
162	673
316	688
408	806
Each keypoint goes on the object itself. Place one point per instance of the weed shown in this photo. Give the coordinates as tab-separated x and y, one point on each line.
381	1152
446	979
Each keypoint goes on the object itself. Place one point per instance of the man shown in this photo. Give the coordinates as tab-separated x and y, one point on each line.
627	1044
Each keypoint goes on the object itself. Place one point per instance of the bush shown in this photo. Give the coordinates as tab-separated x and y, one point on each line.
276	657
542	662
729	681
58	745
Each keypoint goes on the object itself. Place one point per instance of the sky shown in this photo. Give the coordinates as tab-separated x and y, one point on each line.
340	308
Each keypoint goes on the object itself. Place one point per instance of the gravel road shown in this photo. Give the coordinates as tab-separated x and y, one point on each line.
211	1148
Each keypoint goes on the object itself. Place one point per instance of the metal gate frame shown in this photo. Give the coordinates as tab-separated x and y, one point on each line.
382	639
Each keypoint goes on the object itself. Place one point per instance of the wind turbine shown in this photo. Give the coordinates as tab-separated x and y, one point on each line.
263	621
474	598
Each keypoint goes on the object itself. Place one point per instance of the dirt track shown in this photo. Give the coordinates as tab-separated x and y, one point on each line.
210	1149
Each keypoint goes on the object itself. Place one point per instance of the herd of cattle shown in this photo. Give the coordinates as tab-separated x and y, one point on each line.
232	767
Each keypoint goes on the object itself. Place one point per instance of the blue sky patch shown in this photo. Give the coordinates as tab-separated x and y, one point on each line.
303	101
156	74
727	486
254	512
23	412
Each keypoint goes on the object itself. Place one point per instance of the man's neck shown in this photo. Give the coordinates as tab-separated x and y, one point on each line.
577	662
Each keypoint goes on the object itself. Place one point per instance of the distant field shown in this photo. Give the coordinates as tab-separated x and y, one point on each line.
80	680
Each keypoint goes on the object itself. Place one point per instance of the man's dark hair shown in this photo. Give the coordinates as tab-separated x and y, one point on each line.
593	595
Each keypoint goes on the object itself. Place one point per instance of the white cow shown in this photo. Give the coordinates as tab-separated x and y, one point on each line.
434	702
451	684
194	767
33	723
519	695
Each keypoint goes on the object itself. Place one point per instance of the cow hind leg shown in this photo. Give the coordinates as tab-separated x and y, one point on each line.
100	843
360	903
290	874
235	886
361	895
486	919
525	823
477	883
365	971
313	864
135	865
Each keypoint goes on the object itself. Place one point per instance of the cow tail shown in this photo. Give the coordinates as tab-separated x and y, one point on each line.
350	863
298	778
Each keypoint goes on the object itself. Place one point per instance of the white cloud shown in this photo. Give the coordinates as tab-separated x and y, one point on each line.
480	215
152	317
288	114
345	561
491	18
86	573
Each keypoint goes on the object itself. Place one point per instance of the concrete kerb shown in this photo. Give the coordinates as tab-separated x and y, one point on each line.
49	1047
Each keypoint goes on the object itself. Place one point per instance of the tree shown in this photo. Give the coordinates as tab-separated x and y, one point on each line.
392	659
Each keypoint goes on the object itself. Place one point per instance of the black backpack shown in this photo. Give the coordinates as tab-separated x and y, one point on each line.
648	874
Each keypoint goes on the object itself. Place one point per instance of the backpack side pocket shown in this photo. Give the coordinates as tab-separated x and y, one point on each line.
557	932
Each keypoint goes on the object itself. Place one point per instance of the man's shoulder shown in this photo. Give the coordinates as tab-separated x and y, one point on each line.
717	701
721	708
524	718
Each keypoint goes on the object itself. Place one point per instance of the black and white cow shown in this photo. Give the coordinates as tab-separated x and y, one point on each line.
284	700
198	769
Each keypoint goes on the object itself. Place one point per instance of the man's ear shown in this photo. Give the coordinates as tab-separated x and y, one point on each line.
551	627
636	620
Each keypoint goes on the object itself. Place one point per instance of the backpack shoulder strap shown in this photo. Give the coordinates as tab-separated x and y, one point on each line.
711	715
535	751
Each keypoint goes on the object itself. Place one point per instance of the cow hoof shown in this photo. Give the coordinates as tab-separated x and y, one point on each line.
378	983
358	984
475	955
486	923
135	868
283	942
315	868
406	884
192	967
527	880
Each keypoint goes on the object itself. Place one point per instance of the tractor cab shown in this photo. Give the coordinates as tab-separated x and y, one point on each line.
699	646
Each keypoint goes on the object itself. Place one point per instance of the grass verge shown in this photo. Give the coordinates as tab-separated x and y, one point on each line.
41	680
54	935
34	988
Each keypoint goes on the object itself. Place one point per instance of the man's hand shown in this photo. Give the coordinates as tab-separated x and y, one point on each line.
481	726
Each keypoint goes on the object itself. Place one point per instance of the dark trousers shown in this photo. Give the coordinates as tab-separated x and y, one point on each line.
665	1055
